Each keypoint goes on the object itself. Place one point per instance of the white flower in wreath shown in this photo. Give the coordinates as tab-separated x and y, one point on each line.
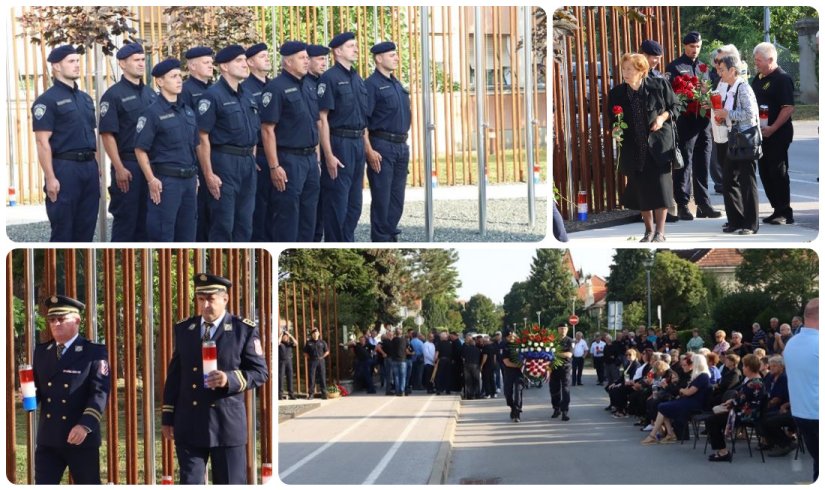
547	349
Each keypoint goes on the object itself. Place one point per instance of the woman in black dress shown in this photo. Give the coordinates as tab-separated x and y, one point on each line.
649	107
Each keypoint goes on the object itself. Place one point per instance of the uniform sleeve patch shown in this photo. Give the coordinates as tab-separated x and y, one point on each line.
39	111
141	122
204	105
104	368
104	108
322	87
258	348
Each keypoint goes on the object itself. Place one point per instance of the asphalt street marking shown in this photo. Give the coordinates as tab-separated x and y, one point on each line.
388	456
332	441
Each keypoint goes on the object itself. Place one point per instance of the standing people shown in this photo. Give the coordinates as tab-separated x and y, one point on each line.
228	124
317	66
613	359
560	377
694	137
398	354
260	66
290	136
443	365
471	360
512	377
315	352
286	350
774	88
417	375
363	363
209	422
387	152
71	378
120	108
342	100
652	50
579	353
429	363
64	131
489	365
649	107
199	64
597	352
802	366
165	148
739	181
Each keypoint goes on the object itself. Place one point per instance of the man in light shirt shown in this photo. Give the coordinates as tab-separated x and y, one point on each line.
579	353
597	352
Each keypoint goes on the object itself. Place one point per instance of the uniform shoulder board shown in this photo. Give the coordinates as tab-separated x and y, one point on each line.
248	322
186	320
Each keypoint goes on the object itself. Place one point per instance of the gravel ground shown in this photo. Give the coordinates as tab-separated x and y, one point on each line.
454	221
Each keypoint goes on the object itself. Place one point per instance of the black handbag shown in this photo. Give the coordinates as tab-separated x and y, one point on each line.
744	146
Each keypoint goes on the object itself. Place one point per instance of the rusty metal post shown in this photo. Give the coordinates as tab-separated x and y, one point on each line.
91	294
149	452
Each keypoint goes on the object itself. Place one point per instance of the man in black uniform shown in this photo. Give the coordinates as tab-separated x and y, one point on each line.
471	360
64	130
489	364
774	88
561	376
71	376
694	137
443	365
210	422
317	66
315	352
513	380
363	363
285	356
458	369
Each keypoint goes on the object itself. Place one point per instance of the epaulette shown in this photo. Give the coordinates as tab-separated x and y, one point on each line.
249	322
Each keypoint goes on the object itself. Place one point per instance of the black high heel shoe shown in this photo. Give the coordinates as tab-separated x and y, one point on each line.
716	457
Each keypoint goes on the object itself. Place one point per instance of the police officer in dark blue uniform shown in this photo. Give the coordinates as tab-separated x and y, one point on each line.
228	124
315	352
562	375
290	134
257	58
342	99
317	67
71	375
199	64
694	138
388	155
210	422
165	147
653	52
120	107
64	130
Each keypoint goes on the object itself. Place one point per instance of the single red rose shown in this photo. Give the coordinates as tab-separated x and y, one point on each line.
694	80
617	109
552	337
535	328
703	68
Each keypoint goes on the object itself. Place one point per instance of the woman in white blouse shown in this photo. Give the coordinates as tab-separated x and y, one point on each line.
739	178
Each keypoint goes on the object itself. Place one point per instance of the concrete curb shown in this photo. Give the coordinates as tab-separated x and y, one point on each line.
441	467
292	410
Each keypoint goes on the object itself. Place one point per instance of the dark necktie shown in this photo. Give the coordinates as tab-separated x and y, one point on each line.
206	334
59	351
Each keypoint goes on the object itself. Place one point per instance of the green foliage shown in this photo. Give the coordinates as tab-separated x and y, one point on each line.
232	25
634	314
440	313
481	315
627	265
550	286
516	307
737	311
788	276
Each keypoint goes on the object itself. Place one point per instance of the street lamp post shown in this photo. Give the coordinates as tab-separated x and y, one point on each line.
538	313
648	266
525	322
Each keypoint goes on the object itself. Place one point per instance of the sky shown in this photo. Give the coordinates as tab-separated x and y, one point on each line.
491	271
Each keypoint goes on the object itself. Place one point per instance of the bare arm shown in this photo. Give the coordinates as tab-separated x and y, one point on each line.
155	185
326	147
44	156
204	151
122	175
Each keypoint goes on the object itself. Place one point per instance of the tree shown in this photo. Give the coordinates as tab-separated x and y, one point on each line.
634	314
388	267
739	310
434	273
627	265
441	313
83	27
516	306
215	27
789	276
480	315
550	285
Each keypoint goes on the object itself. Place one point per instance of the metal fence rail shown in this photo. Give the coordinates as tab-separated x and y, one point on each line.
133	298
583	151
452	34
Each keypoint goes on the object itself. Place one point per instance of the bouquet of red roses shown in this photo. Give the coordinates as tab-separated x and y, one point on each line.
535	349
693	92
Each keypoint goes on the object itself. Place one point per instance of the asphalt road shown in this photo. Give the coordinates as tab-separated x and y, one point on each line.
592	448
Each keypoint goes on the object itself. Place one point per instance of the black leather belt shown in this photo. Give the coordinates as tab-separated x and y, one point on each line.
75	156
128	155
347	133
175	171
234	150
391	137
298	151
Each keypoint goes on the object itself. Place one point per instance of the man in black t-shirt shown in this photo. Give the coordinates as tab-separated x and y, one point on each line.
471	361
443	366
489	363
561	376
363	363
285	374
774	88
398	354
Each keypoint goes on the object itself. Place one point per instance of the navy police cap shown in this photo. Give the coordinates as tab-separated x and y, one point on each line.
651	47
59	305
165	67
341	39
314	50
255	49
291	47
197	52
229	53
128	50
383	47
692	37
60	52
211	283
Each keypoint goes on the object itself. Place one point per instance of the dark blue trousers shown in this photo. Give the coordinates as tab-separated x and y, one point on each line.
173	220
202	210
129	208
228	464
50	463
230	217
695	144
343	196
319	214
73	216
294	209
387	189
261	229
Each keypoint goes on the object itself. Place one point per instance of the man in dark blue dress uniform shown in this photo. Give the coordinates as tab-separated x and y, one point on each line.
316	352
388	155
289	118
165	148
228	124
260	66
64	130
561	376
120	108
317	66
71	376
342	100
694	138
199	64
210	422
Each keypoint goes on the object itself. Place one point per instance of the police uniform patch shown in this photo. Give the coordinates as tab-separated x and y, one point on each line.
249	322
203	106
78	348
667	75
104	108
258	349
322	87
39	111
104	368
227	327
141	122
